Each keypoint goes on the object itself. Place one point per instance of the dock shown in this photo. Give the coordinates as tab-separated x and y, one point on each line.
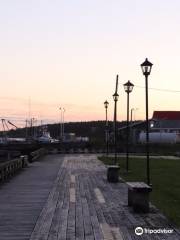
67	197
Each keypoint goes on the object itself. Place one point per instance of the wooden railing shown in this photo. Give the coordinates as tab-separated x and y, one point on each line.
9	168
37	154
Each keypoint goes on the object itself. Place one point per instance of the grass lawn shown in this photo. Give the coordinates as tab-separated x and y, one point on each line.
165	178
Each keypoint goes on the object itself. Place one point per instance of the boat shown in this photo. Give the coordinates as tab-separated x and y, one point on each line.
45	138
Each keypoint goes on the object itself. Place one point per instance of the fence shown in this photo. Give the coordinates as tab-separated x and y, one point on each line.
9	168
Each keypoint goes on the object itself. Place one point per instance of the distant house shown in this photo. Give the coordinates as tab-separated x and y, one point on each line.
164	128
165	121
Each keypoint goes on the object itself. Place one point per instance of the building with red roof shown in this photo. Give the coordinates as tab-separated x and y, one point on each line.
164	128
166	115
165	121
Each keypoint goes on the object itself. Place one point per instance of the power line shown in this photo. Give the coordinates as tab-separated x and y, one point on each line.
158	89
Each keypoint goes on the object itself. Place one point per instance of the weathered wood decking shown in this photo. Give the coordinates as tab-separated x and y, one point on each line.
23	197
70	199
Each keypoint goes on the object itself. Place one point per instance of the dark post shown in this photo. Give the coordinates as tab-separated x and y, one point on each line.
147	131
113	170
132	109
63	124
115	97
127	137
106	129
146	69
60	124
128	87
115	132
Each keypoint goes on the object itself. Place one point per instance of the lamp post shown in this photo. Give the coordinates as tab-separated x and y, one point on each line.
63	122
60	124
113	171
128	87
115	97
133	109
107	131
146	67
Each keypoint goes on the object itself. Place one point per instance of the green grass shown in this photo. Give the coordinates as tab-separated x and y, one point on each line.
165	179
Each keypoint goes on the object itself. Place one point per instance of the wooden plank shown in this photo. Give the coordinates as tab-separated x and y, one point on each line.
56	221
42	228
80	235
73	179
107	233
72	195
116	233
71	222
99	195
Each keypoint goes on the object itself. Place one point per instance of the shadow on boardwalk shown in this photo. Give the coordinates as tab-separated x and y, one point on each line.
81	204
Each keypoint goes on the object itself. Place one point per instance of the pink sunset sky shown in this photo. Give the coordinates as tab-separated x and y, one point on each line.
68	53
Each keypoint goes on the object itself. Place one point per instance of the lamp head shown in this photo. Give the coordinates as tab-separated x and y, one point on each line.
106	103
128	87
115	97
146	67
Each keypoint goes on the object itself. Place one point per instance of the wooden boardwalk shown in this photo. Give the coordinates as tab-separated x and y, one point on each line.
22	198
68	198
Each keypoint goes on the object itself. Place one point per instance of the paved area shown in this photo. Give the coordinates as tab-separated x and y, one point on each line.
73	201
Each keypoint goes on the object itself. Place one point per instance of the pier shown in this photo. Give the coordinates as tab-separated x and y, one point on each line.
61	197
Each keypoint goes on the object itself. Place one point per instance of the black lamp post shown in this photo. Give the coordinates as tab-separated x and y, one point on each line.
128	87
64	110
146	70
115	97
107	130
60	125
132	109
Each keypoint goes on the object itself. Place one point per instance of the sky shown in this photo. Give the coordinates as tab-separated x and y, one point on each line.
67	54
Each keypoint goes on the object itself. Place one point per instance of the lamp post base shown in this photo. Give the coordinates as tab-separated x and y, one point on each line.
113	173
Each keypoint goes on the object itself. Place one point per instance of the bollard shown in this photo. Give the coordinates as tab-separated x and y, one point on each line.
113	173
